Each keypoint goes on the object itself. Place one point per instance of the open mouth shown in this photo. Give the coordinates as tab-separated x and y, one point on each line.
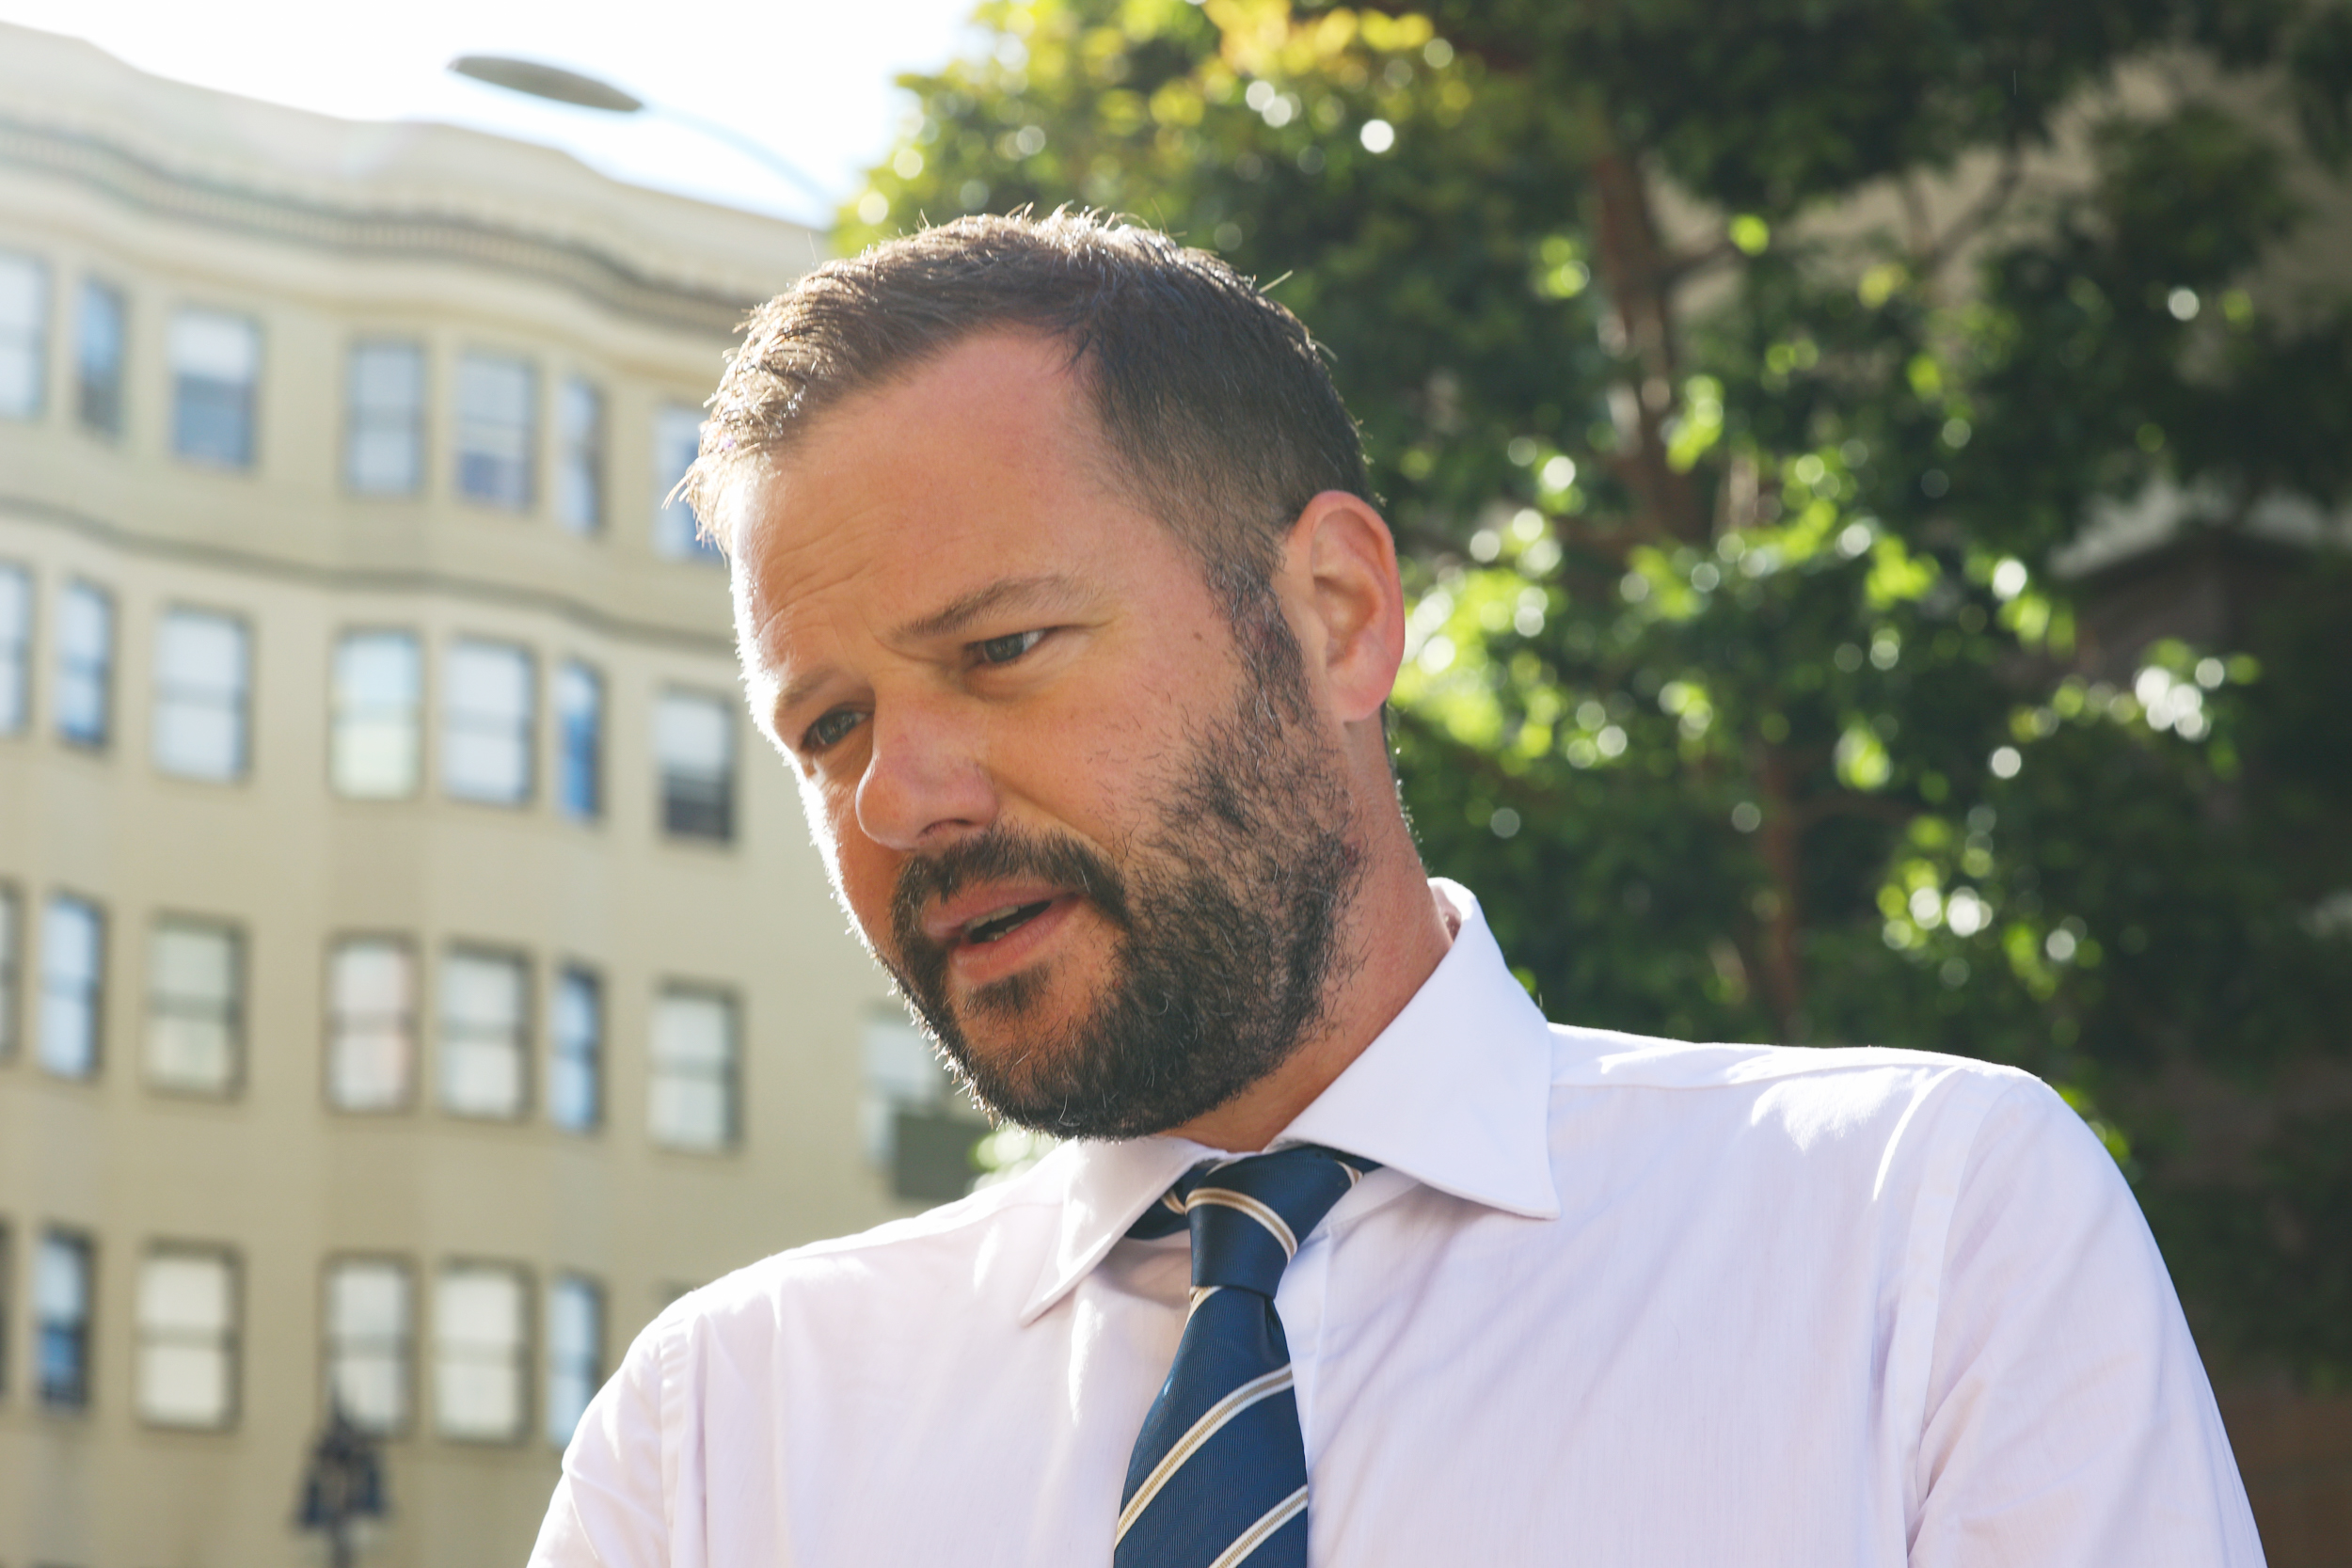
1005	922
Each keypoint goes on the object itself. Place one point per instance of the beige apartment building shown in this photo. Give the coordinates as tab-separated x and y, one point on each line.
412	972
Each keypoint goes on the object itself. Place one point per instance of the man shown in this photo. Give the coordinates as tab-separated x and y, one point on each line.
1058	587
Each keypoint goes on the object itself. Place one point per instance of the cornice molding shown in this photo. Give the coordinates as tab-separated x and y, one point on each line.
421	582
594	273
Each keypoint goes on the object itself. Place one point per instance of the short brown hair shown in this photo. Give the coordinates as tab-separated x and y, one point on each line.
1214	401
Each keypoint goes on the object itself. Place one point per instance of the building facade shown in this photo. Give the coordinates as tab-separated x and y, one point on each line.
411	975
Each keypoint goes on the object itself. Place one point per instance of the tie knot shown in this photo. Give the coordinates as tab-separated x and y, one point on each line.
1249	1216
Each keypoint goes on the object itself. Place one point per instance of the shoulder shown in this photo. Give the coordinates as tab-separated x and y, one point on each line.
1853	1075
1895	1111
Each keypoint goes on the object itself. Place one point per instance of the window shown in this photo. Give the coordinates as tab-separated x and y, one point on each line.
11	961
378	740
195	1006
383	450
73	968
694	739
16	648
215	367
101	344
578	741
580	463
62	1288
203	671
575	1352
494	434
371	1338
575	1069
677	434
86	664
483	1048
23	336
486	722
692	1101
187	1328
371	1025
479	1350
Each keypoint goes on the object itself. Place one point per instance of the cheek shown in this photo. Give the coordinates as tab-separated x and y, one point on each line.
827	823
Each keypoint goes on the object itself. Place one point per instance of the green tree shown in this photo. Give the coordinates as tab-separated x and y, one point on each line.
1737	378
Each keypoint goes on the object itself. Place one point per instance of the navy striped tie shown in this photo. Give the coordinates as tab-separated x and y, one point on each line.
1219	1472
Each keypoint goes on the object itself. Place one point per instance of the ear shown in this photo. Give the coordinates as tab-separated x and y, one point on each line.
1338	572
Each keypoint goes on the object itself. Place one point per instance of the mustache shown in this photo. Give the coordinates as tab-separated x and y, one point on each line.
1000	853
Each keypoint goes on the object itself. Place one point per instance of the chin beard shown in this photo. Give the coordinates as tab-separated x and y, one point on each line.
1225	943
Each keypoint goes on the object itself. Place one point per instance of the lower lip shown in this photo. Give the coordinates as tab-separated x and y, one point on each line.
977	963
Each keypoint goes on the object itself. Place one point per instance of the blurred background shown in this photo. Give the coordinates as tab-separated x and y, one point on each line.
1873	484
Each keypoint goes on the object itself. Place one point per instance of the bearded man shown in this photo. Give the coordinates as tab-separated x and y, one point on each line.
1059	588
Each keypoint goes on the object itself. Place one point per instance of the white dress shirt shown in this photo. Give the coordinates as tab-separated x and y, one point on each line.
1610	1301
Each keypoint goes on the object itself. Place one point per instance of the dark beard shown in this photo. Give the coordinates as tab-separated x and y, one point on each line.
1225	929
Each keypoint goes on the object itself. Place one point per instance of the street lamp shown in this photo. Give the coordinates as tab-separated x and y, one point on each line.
537	79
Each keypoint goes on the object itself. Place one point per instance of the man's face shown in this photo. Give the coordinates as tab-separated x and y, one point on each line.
1101	851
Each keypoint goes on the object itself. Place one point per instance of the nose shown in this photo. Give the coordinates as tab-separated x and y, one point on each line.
926	782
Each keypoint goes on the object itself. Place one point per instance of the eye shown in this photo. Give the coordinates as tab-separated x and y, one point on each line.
829	731
1004	650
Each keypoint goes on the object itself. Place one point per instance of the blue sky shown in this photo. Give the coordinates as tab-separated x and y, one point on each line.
811	81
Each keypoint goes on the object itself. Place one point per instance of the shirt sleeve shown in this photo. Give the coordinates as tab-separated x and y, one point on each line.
609	1509
2068	1418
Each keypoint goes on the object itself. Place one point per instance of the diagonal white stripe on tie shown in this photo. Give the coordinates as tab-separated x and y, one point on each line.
1211	1421
1276	1225
1251	1539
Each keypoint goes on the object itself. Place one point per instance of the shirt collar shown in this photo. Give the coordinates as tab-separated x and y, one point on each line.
1455	1093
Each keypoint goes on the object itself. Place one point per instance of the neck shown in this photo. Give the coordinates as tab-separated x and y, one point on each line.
1393	938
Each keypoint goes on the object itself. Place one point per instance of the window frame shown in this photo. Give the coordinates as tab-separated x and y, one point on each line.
465	423
168	696
95	1003
576	757
229	1345
459	722
79	1400
590	1065
521	1357
23	652
519	1047
246	398
676	534
412	1066
404	1344
42	327
729	1075
584	455
361	420
340	714
564	1282
726	811
233	1019
99	673
87	390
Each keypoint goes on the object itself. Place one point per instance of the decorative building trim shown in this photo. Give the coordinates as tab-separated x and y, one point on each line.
592	273
364	580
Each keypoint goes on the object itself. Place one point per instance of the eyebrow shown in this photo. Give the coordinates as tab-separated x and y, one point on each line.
1046	591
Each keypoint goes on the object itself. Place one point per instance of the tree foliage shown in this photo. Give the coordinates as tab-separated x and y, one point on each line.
1739	379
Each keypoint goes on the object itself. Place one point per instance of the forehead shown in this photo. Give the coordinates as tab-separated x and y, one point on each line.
984	462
